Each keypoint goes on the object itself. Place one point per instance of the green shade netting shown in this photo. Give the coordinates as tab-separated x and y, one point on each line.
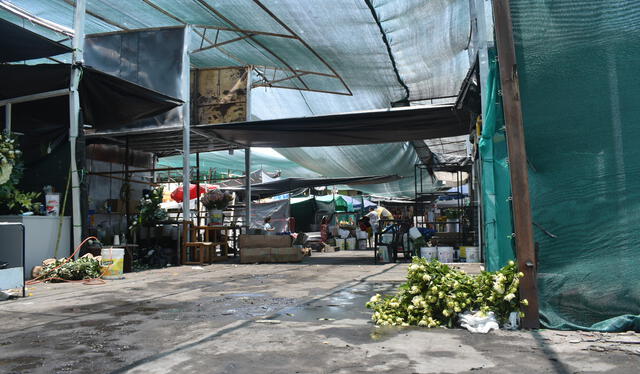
580	88
303	209
222	162
428	41
496	183
341	205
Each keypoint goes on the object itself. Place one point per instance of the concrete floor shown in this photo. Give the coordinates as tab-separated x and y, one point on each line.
279	318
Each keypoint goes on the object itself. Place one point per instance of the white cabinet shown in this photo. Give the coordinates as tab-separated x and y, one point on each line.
41	234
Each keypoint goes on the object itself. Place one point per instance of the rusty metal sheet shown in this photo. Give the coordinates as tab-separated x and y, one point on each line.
219	95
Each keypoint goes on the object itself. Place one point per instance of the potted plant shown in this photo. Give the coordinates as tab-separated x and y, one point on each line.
149	210
215	201
453	216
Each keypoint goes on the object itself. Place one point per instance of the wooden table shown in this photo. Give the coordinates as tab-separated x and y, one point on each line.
200	244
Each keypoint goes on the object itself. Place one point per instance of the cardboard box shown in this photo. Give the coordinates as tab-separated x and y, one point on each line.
270	255
264	241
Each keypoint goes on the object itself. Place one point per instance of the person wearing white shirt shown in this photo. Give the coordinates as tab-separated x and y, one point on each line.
267	226
373	219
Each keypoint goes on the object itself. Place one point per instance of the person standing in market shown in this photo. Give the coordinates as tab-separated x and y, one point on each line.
324	229
365	225
373	219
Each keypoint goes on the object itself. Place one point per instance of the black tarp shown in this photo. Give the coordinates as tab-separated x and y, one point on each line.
282	186
106	101
371	127
19	44
151	58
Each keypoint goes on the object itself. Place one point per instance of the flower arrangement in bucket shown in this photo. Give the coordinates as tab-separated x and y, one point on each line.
215	201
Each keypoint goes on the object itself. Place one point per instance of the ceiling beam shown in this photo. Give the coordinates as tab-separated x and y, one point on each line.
286	27
244	31
221	43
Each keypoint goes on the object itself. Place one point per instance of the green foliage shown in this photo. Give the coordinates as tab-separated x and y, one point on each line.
12	200
82	268
435	294
452	213
149	211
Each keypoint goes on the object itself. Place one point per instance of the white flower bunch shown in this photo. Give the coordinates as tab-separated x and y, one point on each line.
435	293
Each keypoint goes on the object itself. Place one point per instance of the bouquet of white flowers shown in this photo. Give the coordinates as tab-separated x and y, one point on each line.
435	294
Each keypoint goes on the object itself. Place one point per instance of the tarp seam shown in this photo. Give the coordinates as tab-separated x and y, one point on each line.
389	52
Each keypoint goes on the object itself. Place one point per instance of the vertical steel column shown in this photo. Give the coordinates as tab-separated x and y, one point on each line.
518	168
198	188
7	118
186	126
247	155
74	115
247	187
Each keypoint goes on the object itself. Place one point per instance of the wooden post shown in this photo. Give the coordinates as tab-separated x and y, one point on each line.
525	250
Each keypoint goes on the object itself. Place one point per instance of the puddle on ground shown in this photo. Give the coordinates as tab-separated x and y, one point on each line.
345	304
247	295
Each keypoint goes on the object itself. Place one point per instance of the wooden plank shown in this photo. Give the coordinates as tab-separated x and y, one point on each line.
264	241
525	250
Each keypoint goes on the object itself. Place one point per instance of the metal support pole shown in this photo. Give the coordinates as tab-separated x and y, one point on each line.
525	249
74	115
247	187
127	190
7	118
186	124
198	188
247	155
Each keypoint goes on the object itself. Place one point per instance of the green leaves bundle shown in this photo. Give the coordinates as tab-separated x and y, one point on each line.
435	294
82	268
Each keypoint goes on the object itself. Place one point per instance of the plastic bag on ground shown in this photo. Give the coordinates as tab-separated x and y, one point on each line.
478	323
513	323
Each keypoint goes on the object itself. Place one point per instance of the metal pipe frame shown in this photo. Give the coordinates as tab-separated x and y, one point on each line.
186	123
7	118
74	115
37	96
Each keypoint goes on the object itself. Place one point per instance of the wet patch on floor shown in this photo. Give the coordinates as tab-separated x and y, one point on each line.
348	303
